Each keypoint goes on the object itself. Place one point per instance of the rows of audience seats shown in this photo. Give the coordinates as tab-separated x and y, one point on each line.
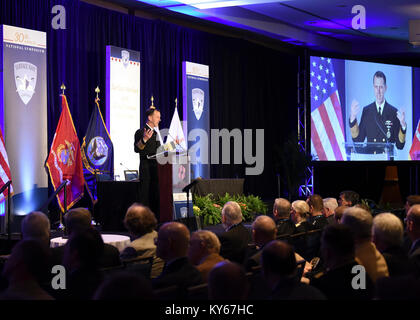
312	249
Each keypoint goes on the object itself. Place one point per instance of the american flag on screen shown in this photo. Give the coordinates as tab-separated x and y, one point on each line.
5	174
327	128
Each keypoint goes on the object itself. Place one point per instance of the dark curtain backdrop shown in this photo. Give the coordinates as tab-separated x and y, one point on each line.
251	86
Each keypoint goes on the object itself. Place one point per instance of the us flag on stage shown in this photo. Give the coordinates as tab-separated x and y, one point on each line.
327	128
5	175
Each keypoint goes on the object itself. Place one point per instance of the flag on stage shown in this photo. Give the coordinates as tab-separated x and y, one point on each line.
415	146
97	151
5	175
64	161
327	128
176	134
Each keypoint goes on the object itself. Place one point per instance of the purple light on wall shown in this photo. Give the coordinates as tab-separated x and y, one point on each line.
337	24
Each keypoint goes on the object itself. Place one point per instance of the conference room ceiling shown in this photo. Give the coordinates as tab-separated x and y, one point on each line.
317	24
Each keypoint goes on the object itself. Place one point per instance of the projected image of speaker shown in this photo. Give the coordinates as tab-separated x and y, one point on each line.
362	111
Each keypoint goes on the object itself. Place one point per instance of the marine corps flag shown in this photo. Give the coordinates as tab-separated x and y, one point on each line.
64	161
97	151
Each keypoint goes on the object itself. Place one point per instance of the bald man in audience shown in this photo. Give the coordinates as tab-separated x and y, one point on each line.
360	223
263	231
203	251
330	204
338	213
172	246
79	220
280	272
234	241
141	223
281	213
227	281
36	226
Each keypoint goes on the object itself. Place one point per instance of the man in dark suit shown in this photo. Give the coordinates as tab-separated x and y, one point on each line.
380	121
146	142
281	213
172	247
234	241
316	207
263	231
80	219
338	252
280	272
413	232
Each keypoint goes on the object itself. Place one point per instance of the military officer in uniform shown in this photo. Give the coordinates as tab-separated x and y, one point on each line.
146	142
380	121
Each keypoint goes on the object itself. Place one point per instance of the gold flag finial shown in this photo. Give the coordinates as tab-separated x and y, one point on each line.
176	102
97	92
63	87
152	99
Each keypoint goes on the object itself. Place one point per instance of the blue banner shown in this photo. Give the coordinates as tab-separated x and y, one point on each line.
196	107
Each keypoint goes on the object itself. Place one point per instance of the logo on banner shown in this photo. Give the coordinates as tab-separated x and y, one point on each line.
66	153
25	79
198	102
125	56
97	151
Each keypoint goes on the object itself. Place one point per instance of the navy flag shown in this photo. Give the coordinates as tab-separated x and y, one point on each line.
97	152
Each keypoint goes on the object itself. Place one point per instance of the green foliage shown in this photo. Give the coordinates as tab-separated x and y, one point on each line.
210	207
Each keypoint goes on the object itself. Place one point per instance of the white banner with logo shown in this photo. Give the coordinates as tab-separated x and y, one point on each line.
123	106
23	113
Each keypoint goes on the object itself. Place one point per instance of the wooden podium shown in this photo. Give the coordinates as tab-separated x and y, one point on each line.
174	174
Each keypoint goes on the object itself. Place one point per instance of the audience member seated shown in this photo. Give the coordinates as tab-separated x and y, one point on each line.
80	219
348	198
281	213
338	213
141	223
26	269
330	204
280	272
360	223
234	241
82	255
316	206
299	214
125	286
338	252
36	226
263	231
203	252
172	246
387	235
410	201
413	232
227	281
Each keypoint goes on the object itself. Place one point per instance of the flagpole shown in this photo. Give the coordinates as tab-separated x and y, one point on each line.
61	225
